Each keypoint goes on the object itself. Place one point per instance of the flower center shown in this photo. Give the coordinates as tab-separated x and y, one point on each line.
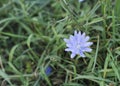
78	46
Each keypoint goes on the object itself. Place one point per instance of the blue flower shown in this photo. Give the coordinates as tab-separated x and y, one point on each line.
78	44
48	70
80	0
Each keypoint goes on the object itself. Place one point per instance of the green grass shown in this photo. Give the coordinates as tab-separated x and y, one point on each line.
31	38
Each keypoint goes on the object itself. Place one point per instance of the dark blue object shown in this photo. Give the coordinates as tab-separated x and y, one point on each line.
48	70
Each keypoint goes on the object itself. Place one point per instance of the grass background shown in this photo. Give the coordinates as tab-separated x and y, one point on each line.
31	38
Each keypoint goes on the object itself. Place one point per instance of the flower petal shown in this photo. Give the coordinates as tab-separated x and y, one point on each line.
86	38
73	55
66	40
67	49
75	32
82	54
87	44
87	50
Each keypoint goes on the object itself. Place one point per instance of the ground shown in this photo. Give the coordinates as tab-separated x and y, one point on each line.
32	34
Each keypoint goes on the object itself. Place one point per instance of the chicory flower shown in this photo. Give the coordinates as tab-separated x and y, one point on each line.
78	44
48	70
